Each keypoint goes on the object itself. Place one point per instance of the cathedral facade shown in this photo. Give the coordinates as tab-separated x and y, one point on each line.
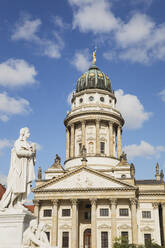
95	197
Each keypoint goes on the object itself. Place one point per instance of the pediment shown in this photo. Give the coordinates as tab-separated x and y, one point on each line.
104	226
83	178
124	227
146	229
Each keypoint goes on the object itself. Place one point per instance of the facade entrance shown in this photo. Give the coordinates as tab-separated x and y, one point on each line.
87	238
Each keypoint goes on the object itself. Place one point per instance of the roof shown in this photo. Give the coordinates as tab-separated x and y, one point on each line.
2	190
30	208
92	79
148	182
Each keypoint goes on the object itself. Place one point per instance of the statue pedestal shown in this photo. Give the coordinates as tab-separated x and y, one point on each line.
13	222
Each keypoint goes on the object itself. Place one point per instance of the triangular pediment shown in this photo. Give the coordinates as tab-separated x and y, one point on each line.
83	178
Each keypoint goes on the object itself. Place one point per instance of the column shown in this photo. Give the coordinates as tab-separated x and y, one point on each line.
119	146
113	219
163	218
67	143
74	239
36	209
72	141
54	231
83	133
134	221
111	152
93	224
97	136
157	238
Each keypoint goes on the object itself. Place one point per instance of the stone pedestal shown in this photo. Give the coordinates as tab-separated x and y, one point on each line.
12	225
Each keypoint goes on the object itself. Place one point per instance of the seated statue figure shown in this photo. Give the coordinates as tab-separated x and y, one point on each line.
35	236
30	238
21	173
41	235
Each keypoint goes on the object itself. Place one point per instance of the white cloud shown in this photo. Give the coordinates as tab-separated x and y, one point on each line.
162	95
140	39
16	72
3	179
81	60
26	29
11	106
136	30
4	143
69	98
144	149
38	147
131	109
58	21
94	16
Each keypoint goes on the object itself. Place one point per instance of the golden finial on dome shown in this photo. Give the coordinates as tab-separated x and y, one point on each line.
94	56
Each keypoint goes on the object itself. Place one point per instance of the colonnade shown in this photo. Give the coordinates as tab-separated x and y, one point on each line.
70	138
75	228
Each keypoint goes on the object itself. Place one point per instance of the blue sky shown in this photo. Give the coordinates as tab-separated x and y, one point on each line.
44	48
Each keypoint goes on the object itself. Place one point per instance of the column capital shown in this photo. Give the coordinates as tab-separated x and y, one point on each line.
155	205
113	201
83	121
71	125
133	201
163	204
98	120
93	201
74	201
111	123
36	202
55	202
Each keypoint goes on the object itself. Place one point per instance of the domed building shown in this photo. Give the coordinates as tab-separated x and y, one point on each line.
95	197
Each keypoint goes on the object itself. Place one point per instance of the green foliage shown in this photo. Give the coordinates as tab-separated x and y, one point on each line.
123	243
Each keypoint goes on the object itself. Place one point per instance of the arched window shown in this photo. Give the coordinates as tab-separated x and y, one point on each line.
91	147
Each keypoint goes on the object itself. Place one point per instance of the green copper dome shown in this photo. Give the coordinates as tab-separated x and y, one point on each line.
94	79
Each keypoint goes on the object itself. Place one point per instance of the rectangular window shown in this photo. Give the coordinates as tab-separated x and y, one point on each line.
104	239
146	214
102	147
48	235
47	213
104	212
80	147
124	237
65	240
66	212
123	211
147	239
87	215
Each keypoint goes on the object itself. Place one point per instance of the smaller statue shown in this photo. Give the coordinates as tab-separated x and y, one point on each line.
123	157
94	56
35	236
161	176
84	152
39	173
132	170
57	162
41	235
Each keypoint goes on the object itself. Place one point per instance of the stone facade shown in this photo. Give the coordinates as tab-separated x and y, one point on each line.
91	201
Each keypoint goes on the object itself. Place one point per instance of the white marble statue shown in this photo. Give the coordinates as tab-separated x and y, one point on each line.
35	236
21	173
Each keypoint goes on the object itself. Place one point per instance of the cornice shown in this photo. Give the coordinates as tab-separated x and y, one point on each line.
82	190
89	91
94	112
